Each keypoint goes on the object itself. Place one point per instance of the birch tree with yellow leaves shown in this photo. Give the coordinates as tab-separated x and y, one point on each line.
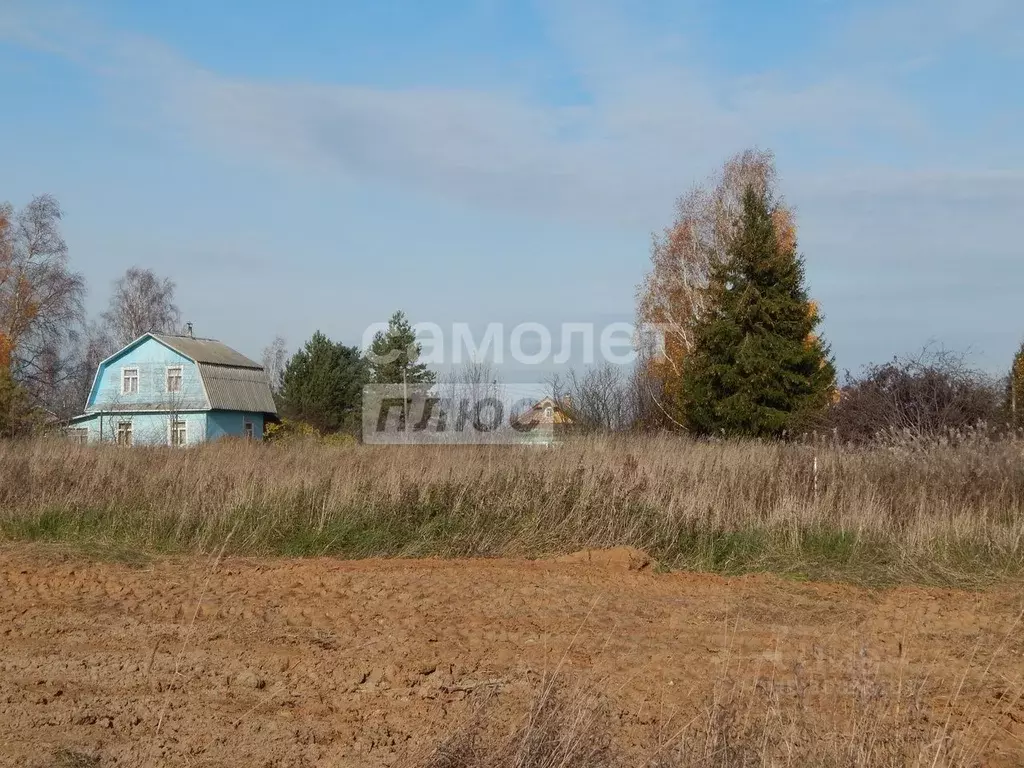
40	307
675	292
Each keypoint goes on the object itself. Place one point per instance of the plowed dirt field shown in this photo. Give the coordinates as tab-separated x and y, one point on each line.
323	662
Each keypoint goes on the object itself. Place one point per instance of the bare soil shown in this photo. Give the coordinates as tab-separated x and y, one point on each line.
325	662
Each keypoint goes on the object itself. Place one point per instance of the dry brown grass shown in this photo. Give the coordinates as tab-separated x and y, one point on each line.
942	514
564	728
753	719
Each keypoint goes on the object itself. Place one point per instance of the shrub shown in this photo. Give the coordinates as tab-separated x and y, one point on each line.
933	394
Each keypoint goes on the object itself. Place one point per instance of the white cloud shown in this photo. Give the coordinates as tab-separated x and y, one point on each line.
615	157
653	122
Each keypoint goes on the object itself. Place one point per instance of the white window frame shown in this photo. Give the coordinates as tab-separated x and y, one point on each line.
78	435
125	378
129	432
181	379
170	431
248	429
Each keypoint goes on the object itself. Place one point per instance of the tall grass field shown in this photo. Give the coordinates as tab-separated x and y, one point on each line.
942	514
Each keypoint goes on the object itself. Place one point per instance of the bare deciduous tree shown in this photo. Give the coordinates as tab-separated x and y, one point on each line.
141	303
600	399
275	360
40	298
476	380
474	384
647	392
94	346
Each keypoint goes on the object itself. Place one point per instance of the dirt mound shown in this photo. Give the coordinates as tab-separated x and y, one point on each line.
328	663
630	558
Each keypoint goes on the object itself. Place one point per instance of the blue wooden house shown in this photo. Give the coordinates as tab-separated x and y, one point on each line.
175	390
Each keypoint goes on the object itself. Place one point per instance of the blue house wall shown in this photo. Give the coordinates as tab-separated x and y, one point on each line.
152	360
223	423
147	428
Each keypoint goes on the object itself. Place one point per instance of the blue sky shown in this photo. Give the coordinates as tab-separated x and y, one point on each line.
296	166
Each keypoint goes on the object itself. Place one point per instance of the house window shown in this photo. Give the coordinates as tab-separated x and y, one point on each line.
247	429
179	433
174	378
129	381
124	433
79	435
549	412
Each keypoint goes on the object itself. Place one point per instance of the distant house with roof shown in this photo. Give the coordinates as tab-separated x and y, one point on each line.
175	390
546	421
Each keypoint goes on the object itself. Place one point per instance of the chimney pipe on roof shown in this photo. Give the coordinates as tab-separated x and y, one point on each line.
188	330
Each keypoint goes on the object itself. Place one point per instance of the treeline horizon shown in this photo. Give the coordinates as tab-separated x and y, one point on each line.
741	355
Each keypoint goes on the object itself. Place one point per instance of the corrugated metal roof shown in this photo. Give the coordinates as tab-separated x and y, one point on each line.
233	388
206	351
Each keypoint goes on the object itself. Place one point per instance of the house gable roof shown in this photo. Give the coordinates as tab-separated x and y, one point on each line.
230	380
536	413
206	351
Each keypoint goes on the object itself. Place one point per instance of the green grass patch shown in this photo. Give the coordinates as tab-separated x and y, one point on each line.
433	527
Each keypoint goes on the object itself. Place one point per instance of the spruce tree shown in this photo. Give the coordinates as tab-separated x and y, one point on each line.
757	368
394	355
323	385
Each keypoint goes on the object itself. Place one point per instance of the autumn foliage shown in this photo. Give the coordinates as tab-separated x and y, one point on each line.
6	274
40	303
675	293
